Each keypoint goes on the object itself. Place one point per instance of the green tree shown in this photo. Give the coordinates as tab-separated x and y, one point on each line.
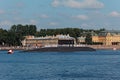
88	39
3	36
32	29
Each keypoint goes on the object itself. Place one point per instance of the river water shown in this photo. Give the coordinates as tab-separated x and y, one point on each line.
98	65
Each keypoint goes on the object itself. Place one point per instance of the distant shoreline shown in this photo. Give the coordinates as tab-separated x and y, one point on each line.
105	47
97	47
13	48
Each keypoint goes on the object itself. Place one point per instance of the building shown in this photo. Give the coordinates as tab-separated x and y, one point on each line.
107	38
47	41
81	40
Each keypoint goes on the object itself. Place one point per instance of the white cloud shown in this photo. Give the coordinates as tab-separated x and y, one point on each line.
5	23
55	3
20	5
114	14
53	23
2	12
85	4
44	16
82	17
17	18
33	22
91	26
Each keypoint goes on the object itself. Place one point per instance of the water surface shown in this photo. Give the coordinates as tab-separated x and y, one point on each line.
98	65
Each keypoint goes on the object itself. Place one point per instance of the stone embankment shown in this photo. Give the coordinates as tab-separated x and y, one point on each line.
99	47
105	47
13	48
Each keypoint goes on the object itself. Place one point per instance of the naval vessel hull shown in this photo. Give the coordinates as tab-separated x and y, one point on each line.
61	49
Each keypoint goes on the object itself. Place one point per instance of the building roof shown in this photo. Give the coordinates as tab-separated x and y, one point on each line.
53	37
111	32
64	37
81	38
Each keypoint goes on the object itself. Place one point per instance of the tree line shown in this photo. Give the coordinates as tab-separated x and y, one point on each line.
16	33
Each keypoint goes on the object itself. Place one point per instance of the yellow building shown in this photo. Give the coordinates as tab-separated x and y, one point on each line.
107	38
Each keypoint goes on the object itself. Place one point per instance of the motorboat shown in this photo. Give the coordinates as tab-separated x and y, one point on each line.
10	51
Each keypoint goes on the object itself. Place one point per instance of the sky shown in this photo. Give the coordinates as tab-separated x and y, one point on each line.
86	14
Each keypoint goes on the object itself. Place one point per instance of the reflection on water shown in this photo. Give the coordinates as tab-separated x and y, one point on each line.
99	65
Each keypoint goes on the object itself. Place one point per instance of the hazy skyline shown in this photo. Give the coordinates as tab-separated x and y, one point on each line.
88	14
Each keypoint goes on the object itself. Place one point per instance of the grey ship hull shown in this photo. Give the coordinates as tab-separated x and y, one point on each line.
61	49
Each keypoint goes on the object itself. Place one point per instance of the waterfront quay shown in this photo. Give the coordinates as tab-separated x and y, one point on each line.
12	47
97	47
105	47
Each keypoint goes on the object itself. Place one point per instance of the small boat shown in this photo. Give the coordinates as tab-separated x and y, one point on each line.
114	49
10	51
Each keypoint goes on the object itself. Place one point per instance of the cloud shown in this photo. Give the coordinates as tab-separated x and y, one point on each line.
82	17
85	4
33	22
2	12
56	3
92	26
114	14
44	16
53	23
5	23
20	5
